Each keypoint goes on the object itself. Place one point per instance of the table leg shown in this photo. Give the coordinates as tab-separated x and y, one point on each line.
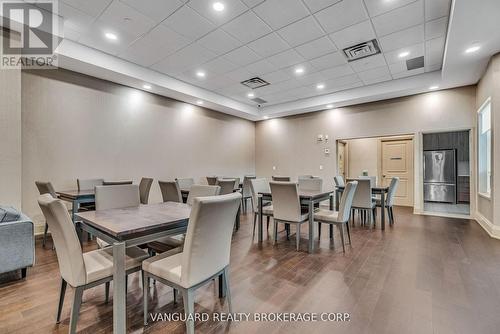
337	200
311	227
74	210
382	209
260	232
237	223
222	287
119	297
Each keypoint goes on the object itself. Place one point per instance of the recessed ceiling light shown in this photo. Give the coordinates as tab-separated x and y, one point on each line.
320	86
111	36
404	54
299	70
329	106
146	86
251	95
199	102
200	74
472	49
218	6
433	87
266	117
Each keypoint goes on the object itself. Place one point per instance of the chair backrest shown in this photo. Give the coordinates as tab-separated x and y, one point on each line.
363	194
198	190
170	191
314	184
281	178
46	188
185	183
339	181
391	194
373	179
286	201
346	201
257	186
226	185
115	197
302	177
246	191
116	183
68	249
212	180
144	188
209	235
88	184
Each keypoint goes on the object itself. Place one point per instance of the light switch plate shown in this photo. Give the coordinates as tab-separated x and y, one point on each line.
274	167
320	167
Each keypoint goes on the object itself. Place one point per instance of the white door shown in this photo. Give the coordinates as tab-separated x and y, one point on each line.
397	161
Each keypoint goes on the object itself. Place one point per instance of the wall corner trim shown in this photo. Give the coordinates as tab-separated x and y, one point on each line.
489	227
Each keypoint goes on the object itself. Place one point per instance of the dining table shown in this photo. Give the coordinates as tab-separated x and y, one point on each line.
125	227
77	197
308	198
381	190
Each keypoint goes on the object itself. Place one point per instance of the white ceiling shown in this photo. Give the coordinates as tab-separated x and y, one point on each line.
159	40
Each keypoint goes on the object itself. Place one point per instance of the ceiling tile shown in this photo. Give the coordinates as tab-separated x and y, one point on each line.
94	38
317	5
377	7
375	75
316	48
219	66
158	44
232	9
217	82
416	50
399	19
191	56
337	71
432	68
402	38
91	7
260	67
279	13
219	42
252	3
269	45
75	19
155	9
128	19
343	82
436	28
311	79
398	67
328	60
342	15
247	27
434	50
187	22
435	9
277	76
239	75
301	31
353	35
242	56
285	59
368	63
405	74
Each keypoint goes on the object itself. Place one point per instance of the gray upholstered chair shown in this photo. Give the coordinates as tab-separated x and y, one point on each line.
247	192
281	178
226	186
80	270
205	255
212	180
45	188
170	191
341	217
144	188
287	208
88	184
363	202
389	204
373	179
258	186
185	183
117	183
339	181
301	177
311	184
202	191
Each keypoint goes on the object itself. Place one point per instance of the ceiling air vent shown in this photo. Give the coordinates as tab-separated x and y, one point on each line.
259	100
255	83
362	50
413	64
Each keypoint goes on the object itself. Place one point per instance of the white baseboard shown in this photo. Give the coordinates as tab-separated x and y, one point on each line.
490	228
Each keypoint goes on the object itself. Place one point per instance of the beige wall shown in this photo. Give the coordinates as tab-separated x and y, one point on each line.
363	154
76	126
10	133
290	144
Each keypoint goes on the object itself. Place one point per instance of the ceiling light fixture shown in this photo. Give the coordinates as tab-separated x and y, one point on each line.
320	86
329	106
147	86
200	74
251	95
266	117
199	102
472	49
433	87
218	6
111	36
299	70
404	54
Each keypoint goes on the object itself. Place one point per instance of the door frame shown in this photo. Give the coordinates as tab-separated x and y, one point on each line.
346	156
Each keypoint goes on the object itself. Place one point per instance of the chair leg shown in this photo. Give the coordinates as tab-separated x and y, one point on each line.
372	225
251	203
107	291
287	227
319	231
268	220
275	231
61	300
188	298
392	215
297	237
145	295
45	235
175	296
342	236
228	289
254	223
348	232
24	273
75	310
331	232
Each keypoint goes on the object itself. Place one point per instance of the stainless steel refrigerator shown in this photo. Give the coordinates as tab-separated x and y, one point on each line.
440	176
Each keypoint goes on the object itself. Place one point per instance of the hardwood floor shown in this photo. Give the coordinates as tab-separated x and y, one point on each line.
425	275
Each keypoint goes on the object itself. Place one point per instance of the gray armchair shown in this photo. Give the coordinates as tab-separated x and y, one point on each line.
17	245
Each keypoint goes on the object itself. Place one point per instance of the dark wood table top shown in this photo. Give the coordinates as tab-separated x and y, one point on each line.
120	223
75	194
308	194
378	188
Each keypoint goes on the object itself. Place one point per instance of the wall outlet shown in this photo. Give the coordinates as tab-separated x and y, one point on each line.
320	167
320	138
274	167
327	151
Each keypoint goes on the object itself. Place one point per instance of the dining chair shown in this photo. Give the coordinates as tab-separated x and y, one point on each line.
341	217
117	183
212	180
287	208
363	201
259	186
339	181
311	184
144	188
170	191
202	191
80	270
302	177
373	179
389	204
45	188
281	178
204	257
226	186
88	184
185	183
247	192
